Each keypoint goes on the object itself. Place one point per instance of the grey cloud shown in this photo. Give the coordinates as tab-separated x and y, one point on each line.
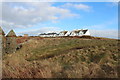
30	13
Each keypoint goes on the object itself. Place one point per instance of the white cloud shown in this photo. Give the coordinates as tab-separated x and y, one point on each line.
30	13
41	30
105	33
77	6
59	0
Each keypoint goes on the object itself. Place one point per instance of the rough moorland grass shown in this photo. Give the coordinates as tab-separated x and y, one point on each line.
65	46
63	58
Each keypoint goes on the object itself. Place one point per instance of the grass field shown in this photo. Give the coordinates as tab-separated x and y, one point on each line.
63	58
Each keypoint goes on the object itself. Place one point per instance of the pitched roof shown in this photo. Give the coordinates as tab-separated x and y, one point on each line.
1	31
51	33
47	33
84	31
64	32
11	34
77	31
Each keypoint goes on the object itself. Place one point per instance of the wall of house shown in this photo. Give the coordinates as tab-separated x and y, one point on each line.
87	33
61	34
69	33
72	34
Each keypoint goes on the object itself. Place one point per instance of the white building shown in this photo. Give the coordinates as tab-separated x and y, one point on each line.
63	33
80	32
48	35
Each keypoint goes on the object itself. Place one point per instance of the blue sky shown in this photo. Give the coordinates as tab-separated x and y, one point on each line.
34	18
101	13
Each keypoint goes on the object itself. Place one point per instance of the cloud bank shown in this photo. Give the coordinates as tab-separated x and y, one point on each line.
22	15
105	33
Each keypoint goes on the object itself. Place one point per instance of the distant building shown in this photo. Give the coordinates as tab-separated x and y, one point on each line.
11	43
80	32
68	33
25	35
63	33
48	35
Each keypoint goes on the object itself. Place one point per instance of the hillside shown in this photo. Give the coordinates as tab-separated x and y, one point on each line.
63	58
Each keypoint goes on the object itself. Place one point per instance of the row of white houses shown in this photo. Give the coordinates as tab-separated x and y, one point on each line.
79	32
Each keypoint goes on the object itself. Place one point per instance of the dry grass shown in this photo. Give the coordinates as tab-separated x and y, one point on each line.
63	58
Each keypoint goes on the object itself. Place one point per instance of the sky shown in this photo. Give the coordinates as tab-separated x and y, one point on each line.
33	18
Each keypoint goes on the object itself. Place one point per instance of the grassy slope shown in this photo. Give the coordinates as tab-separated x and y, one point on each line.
63	57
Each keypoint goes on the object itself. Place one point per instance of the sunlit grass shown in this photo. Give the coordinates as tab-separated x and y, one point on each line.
63	58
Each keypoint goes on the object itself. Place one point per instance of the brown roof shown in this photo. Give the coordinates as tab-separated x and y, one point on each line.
77	31
1	31
47	33
11	34
84	31
64	32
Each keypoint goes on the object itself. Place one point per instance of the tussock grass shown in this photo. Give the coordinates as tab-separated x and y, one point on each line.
63	58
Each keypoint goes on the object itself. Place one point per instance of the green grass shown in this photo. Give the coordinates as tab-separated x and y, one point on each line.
64	58
65	46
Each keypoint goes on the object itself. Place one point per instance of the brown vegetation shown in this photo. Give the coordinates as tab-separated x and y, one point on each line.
63	58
